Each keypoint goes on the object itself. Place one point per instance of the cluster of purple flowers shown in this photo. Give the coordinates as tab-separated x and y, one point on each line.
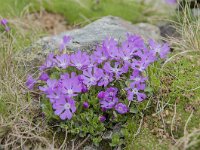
110	63
109	100
4	23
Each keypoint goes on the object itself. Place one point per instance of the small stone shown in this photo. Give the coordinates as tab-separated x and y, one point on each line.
107	135
154	115
90	148
167	112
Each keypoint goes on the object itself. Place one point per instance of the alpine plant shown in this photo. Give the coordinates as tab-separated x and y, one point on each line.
4	24
115	71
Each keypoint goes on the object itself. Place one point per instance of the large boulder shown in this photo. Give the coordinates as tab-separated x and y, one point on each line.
87	37
90	35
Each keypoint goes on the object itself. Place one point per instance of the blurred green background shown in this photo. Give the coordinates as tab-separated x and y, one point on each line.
76	11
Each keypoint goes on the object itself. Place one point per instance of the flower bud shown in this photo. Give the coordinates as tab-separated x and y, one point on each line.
84	89
86	105
102	118
101	95
4	22
44	77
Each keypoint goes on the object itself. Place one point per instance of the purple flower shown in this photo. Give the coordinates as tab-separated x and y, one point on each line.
64	108
52	84
144	59
93	62
55	95
84	89
136	78
4	22
91	76
108	98
106	79
117	69
30	82
139	65
121	108
126	53
7	29
108	102
49	63
53	90
86	105
62	61
110	46
135	41
111	92
72	86
44	77
100	55
64	42
101	95
134	91
66	76
80	60
131	47
102	118
171	1
148	57
159	49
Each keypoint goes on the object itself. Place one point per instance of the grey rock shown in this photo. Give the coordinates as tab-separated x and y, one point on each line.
115	130
88	37
168	30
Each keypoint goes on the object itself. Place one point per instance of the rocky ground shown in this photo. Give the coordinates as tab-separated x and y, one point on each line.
171	118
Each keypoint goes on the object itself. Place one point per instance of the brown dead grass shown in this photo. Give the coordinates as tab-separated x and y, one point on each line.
50	22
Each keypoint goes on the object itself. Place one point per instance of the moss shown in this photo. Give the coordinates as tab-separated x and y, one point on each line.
171	84
182	90
146	140
186	72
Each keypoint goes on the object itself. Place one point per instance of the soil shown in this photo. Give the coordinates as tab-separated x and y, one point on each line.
52	23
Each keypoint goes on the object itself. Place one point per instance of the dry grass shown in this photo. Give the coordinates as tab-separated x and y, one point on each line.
187	45
188	27
189	140
21	124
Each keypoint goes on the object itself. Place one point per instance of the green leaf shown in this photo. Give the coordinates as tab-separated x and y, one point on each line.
149	90
96	140
133	110
115	140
